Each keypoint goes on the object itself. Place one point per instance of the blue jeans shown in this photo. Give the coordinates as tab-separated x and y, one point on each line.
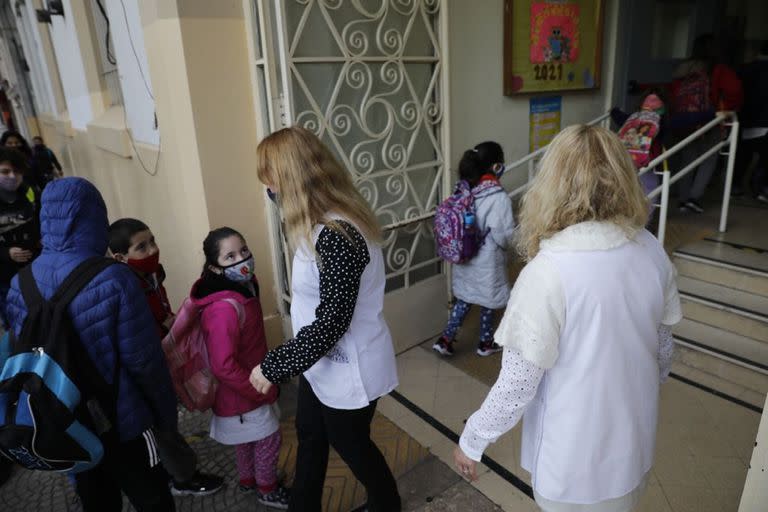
459	312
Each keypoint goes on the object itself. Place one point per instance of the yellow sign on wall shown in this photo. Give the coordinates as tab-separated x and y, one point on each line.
545	121
553	45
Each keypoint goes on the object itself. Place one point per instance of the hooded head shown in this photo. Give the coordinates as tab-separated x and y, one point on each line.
73	218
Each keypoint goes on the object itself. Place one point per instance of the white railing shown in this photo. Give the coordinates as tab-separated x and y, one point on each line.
728	119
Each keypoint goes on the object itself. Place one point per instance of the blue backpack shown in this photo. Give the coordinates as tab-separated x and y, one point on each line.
56	410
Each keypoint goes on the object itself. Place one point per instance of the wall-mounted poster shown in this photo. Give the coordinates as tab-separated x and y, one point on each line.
545	120
553	45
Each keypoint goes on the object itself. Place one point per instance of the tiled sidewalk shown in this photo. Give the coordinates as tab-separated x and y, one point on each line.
426	483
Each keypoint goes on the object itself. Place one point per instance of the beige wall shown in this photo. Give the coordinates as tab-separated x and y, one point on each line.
479	109
205	176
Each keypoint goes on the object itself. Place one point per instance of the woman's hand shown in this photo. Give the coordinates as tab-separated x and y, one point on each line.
466	466
259	381
19	255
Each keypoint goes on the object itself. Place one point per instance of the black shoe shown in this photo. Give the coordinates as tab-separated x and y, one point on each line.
199	485
279	498
694	205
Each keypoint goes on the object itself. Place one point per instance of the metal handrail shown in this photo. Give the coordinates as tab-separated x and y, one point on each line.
721	118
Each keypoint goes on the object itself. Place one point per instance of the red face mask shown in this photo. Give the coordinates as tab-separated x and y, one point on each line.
148	265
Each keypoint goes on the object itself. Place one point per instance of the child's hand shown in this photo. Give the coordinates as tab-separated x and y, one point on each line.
259	381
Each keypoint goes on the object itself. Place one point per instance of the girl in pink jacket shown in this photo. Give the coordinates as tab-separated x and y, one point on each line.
234	328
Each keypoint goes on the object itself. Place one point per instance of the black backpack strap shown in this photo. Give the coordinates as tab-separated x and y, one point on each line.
78	279
29	290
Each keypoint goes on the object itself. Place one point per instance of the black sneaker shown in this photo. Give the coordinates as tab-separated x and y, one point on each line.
694	205
199	485
443	346
278	498
487	348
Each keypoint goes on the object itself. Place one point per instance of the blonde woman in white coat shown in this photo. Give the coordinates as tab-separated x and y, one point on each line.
482	281
586	333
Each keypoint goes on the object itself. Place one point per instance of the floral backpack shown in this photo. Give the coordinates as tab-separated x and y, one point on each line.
638	133
457	234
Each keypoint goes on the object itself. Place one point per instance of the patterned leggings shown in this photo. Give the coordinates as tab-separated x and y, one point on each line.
257	462
459	312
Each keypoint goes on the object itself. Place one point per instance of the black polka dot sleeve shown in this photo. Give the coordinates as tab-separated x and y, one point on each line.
342	259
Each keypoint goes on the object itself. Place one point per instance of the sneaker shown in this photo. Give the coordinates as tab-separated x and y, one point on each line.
694	205
682	208
278	498
443	346
763	198
199	485
487	348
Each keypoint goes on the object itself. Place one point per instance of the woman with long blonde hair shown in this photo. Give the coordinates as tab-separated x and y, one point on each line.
342	346
586	333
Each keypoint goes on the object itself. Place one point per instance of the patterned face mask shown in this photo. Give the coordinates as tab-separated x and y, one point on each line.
241	271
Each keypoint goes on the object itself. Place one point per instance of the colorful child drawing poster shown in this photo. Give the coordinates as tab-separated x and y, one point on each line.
552	45
554	32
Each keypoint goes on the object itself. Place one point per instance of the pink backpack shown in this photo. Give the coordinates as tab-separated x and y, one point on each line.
187	357
638	133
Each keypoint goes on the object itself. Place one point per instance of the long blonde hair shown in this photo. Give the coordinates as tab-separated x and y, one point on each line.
586	174
312	186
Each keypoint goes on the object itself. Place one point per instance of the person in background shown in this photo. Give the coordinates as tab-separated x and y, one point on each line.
482	280
15	140
132	242
702	86
586	341
342	346
232	322
19	222
116	328
754	126
45	159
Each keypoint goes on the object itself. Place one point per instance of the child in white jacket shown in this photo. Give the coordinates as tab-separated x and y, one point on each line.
483	280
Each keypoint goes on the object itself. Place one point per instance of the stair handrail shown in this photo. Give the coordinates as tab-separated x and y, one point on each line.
726	119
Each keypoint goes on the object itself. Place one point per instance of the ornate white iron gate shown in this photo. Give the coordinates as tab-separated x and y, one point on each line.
369	78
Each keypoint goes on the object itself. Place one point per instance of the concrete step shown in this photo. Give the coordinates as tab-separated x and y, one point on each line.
722	375
740	269
727	256
729	309
730	348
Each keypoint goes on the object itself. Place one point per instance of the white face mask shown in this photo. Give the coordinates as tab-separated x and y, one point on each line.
241	271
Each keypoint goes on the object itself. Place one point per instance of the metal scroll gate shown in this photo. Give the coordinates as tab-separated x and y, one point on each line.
369	78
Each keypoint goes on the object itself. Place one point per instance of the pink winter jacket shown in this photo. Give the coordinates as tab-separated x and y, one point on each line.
233	351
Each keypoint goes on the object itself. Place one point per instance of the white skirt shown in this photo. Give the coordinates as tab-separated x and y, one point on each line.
624	503
252	426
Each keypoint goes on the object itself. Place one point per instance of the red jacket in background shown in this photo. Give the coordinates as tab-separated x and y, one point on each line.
726	92
234	352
